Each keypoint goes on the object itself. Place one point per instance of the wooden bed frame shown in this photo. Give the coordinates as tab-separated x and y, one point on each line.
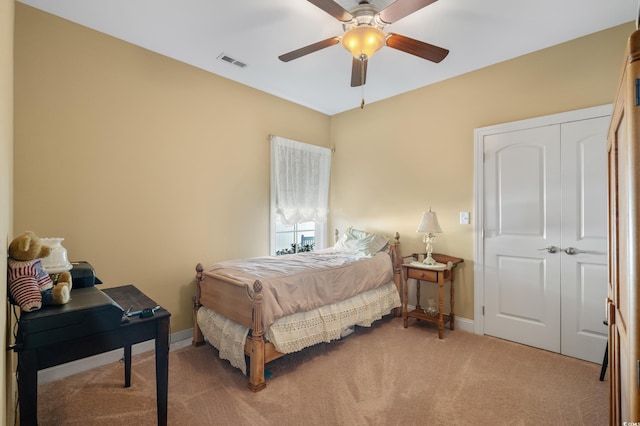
232	299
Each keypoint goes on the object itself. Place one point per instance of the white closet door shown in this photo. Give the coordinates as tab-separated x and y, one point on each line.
545	236
522	219
584	238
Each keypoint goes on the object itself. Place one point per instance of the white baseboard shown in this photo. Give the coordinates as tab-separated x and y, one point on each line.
464	324
178	340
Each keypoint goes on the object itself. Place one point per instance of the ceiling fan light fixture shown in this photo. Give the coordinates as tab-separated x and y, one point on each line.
363	41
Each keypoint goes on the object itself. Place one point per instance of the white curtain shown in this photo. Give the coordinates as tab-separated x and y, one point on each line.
300	178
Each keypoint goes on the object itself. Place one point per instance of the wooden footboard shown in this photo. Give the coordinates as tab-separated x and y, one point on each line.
243	304
236	301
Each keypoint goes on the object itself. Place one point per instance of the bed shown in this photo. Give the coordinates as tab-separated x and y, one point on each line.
263	308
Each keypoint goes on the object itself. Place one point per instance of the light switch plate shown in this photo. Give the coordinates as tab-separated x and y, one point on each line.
464	218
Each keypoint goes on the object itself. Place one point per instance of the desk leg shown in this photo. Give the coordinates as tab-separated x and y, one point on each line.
162	369
28	387
127	366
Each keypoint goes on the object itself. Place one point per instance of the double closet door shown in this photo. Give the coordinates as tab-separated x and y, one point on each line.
544	266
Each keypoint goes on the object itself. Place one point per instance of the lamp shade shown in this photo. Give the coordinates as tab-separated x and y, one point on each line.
363	41
429	223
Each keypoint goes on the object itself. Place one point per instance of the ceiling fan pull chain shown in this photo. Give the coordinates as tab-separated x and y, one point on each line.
362	79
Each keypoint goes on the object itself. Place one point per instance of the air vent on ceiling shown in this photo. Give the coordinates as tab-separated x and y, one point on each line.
227	58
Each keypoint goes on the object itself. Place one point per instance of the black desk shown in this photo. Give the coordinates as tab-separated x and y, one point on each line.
32	359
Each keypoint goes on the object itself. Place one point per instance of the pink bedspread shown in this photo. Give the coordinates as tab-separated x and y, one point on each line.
304	281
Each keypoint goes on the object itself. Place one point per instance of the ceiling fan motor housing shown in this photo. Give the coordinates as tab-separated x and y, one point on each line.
364	14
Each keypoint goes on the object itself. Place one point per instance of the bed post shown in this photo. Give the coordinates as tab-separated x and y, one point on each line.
396	260
256	355
198	337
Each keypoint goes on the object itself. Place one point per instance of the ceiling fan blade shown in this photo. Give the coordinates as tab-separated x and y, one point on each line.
333	9
416	47
295	54
359	72
401	8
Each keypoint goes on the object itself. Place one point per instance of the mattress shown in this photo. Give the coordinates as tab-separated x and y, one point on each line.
303	282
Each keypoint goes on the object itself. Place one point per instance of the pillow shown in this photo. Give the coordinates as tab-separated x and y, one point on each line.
361	242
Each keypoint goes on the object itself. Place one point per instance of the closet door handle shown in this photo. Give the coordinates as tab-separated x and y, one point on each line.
550	249
571	251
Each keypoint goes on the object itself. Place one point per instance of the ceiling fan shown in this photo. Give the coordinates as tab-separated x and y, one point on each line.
364	34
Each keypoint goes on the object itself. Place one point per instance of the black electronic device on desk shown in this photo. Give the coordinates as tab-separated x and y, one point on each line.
89	311
83	275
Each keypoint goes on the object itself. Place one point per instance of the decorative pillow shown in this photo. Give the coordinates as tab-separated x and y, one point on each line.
361	242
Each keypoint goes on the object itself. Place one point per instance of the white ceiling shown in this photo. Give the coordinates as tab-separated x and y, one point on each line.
477	33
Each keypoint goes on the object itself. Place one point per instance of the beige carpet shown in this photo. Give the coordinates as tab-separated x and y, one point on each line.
385	375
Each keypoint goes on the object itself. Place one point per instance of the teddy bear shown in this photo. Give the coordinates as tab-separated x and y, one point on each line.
30	286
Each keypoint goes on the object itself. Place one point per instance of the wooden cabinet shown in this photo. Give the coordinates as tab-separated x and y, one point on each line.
623	150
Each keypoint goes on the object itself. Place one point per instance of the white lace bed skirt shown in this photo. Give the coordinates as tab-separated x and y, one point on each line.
301	330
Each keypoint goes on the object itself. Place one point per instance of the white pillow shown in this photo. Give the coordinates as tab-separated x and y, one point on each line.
361	242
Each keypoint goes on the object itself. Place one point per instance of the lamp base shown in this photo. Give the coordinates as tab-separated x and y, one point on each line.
429	260
429	240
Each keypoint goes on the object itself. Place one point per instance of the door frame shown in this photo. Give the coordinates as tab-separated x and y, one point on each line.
478	193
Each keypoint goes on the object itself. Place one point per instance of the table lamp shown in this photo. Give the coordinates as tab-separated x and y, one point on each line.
429	226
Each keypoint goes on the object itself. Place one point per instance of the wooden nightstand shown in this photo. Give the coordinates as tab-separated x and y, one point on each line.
434	276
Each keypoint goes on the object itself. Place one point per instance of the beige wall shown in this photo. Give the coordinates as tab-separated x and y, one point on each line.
397	157
143	164
152	165
6	199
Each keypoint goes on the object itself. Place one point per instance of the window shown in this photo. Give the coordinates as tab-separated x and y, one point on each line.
299	195
295	238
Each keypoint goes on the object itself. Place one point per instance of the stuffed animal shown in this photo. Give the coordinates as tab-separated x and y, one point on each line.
30	286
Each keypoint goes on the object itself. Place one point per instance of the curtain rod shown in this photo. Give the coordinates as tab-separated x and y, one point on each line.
269	136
